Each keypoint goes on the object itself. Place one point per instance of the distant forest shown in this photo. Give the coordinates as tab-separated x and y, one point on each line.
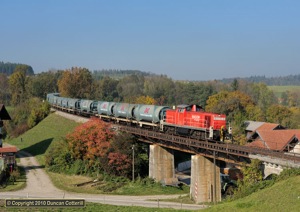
118	74
8	68
279	81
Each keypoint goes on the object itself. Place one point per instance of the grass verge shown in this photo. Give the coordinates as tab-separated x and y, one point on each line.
93	207
184	199
37	140
143	187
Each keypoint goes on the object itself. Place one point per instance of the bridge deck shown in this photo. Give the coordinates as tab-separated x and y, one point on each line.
224	151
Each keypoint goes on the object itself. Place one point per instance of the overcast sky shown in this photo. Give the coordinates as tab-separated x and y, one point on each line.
187	39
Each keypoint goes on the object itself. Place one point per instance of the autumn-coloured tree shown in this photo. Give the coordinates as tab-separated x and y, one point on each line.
119	163
18	84
90	141
145	100
120	156
279	114
237	106
229	103
76	83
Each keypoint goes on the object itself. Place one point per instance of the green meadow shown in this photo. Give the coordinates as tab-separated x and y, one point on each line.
278	90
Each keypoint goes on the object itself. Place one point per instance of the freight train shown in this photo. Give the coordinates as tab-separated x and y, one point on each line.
184	120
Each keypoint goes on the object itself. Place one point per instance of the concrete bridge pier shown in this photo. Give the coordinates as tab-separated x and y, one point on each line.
205	180
161	163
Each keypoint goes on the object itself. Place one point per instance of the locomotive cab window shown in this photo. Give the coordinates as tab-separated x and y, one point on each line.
181	110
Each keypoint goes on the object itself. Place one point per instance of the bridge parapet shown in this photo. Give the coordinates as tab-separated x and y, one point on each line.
274	165
288	163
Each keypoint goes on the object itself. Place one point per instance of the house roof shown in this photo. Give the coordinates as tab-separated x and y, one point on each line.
8	149
274	139
268	126
253	125
257	143
3	113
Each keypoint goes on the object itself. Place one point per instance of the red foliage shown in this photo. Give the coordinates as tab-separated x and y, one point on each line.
119	162
90	140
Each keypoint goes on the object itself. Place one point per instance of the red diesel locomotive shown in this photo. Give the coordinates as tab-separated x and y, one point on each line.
191	120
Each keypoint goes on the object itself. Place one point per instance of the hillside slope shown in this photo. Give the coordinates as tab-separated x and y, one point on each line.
37	140
282	196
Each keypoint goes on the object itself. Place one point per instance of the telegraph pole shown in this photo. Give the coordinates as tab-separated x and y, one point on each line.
133	162
215	180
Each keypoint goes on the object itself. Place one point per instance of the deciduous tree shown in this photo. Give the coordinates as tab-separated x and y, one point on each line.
106	89
145	100
229	103
76	83
44	83
18	84
262	96
119	163
161	88
130	87
90	141
4	89
279	114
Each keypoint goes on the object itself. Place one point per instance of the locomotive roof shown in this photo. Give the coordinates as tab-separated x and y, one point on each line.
185	106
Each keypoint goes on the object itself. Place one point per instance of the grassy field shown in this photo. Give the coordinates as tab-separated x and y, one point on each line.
94	207
278	90
38	139
282	196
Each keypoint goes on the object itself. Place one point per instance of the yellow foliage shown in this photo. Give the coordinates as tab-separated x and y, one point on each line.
145	100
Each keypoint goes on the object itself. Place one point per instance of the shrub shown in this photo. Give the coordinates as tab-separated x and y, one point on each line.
14	175
77	168
58	158
286	173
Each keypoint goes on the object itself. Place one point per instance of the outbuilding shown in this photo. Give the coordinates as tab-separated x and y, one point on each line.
7	154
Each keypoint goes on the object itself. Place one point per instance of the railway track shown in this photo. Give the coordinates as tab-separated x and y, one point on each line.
209	148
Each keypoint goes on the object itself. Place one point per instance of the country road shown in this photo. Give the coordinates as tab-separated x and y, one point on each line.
39	185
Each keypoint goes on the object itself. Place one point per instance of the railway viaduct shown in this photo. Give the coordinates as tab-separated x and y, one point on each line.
205	160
